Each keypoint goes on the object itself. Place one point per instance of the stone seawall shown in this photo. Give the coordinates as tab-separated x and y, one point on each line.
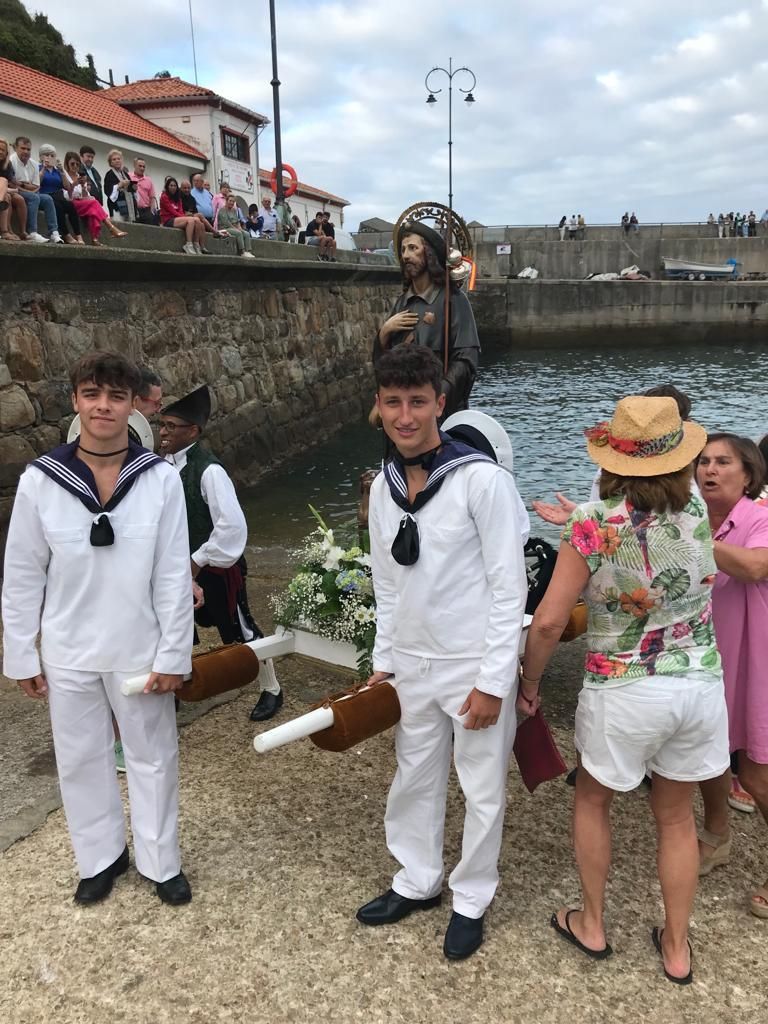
285	348
574	313
574	260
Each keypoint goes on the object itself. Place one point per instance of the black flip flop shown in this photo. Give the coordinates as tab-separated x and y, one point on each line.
567	934
656	937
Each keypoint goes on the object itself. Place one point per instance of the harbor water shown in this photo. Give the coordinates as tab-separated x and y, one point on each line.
544	398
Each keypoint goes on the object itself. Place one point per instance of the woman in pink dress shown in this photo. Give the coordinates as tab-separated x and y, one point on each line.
730	473
88	209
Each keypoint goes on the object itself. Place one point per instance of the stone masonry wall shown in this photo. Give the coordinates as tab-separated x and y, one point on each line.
287	364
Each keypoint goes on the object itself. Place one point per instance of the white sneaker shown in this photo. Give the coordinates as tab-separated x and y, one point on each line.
56	238
248	255
189	249
35	237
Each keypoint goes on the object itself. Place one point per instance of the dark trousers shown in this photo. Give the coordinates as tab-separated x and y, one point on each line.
65	210
215	611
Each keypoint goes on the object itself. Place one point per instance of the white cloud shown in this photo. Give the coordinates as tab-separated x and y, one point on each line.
578	108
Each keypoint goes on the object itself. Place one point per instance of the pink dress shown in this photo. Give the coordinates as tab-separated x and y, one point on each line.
741	626
89	209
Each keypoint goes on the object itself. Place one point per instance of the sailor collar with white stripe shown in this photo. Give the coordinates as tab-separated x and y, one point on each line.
450	455
439	463
63	466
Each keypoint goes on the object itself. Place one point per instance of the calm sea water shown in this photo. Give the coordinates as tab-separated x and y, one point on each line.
544	398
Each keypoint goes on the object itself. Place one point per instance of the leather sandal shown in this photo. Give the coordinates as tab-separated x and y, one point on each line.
758	902
720	854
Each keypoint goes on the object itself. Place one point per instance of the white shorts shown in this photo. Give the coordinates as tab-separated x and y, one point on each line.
674	726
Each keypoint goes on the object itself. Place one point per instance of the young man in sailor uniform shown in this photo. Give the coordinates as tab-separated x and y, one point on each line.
217	533
450	587
97	563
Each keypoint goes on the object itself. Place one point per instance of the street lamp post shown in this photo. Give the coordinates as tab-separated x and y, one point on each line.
450	71
275	83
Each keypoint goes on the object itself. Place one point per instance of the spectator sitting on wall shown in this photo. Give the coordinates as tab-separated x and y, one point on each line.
95	189
119	189
269	217
254	223
146	194
229	224
634	223
711	220
328	226
316	236
89	209
203	197
10	200
52	184
563	227
625	222
172	216
28	184
297	230
189	203
220	202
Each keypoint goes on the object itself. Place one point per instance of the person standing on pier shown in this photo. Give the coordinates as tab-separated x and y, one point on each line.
97	563
217	533
418	315
450	596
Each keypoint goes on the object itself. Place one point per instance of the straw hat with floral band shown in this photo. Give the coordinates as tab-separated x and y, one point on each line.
646	437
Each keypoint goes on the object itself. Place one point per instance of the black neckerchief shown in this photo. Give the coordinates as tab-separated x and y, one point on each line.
438	462
64	467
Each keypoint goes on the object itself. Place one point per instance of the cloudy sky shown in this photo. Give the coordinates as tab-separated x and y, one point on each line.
584	107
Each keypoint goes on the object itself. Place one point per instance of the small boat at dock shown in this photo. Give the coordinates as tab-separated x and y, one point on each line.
691	271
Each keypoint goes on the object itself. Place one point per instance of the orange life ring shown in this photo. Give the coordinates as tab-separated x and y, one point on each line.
291	174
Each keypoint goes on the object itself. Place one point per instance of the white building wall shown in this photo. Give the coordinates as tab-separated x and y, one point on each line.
42	127
201	126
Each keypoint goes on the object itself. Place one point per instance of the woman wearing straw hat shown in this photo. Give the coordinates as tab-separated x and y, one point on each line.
642	557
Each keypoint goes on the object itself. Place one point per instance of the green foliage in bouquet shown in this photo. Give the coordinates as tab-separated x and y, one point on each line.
331	594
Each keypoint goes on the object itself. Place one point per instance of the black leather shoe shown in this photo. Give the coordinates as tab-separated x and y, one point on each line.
393	907
464	936
174	890
267	706
91	890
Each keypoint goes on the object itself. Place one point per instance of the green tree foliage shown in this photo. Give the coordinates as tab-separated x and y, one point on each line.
33	41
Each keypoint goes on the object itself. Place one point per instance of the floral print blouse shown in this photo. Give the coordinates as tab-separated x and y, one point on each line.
649	593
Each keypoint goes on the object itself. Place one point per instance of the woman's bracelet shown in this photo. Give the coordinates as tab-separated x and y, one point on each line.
526	679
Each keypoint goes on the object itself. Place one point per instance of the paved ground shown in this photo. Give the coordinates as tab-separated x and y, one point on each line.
281	849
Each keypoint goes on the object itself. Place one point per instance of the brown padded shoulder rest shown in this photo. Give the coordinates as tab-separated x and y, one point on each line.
220	670
365	713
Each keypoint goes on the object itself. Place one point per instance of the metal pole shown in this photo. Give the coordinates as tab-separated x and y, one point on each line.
279	197
450	133
192	33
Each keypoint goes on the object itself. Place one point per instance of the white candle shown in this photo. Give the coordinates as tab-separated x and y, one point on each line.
314	721
135	684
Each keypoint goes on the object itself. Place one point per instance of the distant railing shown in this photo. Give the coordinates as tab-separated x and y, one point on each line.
600	224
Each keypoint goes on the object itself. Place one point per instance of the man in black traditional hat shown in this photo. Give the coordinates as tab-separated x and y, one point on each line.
418	315
217	533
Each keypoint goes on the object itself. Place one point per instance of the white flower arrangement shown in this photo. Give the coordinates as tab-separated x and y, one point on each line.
331	594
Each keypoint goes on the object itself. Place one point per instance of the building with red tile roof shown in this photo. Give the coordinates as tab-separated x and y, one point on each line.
45	95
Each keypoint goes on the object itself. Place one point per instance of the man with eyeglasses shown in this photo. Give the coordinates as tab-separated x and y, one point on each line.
217	533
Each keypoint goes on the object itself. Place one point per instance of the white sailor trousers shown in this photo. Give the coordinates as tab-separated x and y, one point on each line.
81	704
431	693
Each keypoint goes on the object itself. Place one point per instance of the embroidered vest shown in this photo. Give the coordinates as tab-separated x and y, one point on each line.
199	520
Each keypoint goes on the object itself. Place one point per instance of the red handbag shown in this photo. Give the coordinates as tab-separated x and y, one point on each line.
536	752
